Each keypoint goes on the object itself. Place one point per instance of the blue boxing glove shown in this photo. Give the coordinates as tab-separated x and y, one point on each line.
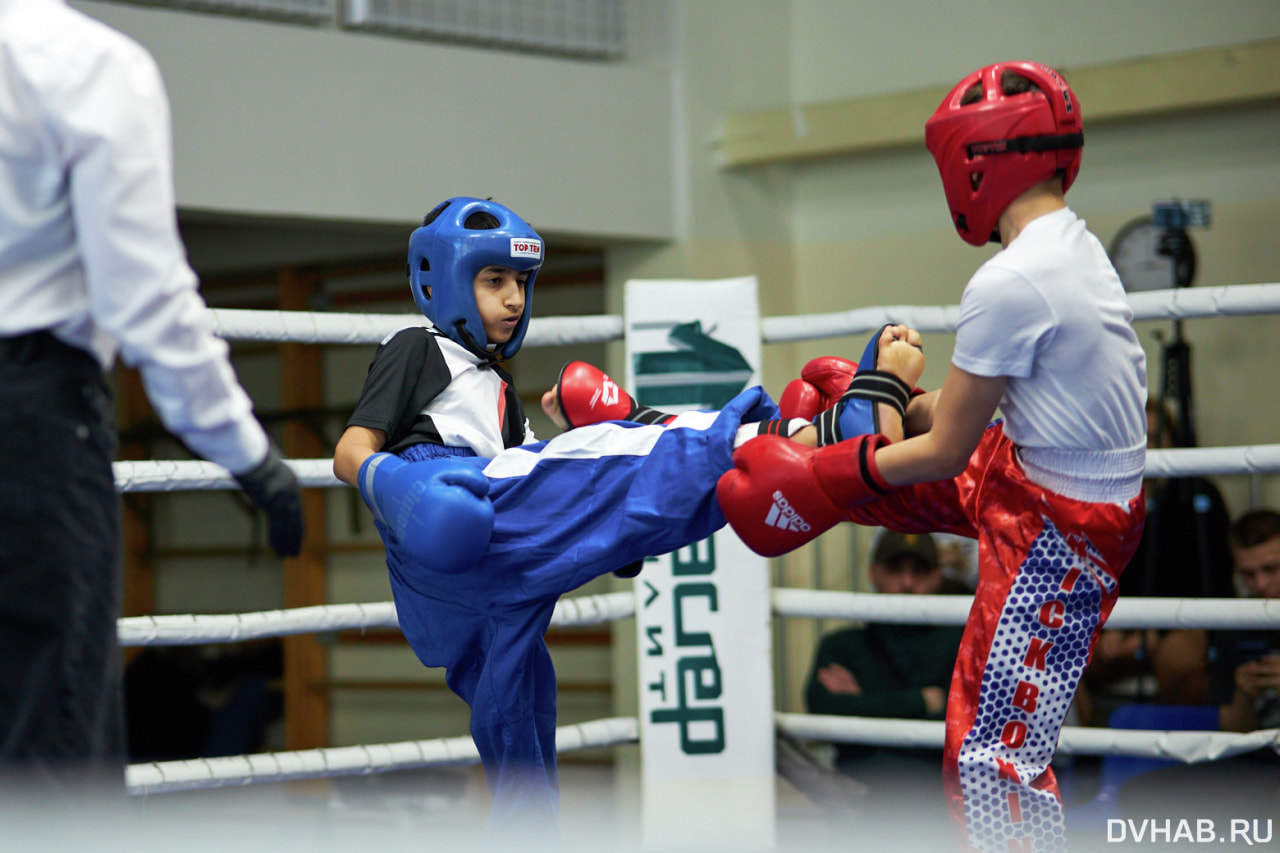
438	510
857	410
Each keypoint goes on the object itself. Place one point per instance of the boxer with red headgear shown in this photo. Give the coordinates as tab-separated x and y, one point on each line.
1052	492
994	140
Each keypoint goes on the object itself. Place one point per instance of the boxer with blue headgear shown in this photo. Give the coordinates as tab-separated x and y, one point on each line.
484	526
457	240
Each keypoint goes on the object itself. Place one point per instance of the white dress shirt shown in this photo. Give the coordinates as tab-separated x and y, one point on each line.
89	244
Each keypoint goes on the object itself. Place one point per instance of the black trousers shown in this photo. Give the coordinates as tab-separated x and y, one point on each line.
61	705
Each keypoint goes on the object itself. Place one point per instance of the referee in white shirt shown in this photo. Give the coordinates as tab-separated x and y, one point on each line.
91	265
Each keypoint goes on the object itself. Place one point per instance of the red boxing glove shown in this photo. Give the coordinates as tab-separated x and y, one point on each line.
781	495
841	397
587	395
821	384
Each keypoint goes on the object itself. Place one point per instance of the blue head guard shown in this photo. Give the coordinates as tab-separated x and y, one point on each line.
446	253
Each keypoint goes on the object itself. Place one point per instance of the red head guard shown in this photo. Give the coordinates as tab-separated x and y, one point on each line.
991	151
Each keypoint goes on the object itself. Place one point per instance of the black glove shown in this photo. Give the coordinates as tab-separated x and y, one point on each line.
273	488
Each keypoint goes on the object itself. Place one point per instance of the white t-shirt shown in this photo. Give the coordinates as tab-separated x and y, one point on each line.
1049	314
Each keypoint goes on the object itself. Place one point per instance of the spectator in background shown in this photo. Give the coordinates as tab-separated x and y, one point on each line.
1244	671
1244	666
888	670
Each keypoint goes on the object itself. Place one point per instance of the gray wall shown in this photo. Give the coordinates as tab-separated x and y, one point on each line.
296	121
841	49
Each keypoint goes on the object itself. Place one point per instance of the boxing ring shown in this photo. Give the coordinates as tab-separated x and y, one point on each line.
333	328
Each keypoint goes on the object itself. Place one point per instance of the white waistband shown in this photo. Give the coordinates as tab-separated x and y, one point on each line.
1097	476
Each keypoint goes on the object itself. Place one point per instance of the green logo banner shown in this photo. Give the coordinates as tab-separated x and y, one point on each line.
703	614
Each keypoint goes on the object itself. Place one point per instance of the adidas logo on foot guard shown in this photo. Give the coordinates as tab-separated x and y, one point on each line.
784	517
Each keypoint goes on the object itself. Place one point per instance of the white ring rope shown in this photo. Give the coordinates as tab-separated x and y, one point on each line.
183	475
1179	304
310	327
1189	747
1165	613
202	773
1208	461
335	328
196	475
186	630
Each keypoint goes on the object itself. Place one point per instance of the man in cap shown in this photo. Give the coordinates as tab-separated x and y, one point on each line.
887	670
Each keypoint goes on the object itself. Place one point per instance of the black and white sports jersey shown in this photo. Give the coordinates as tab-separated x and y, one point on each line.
423	387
